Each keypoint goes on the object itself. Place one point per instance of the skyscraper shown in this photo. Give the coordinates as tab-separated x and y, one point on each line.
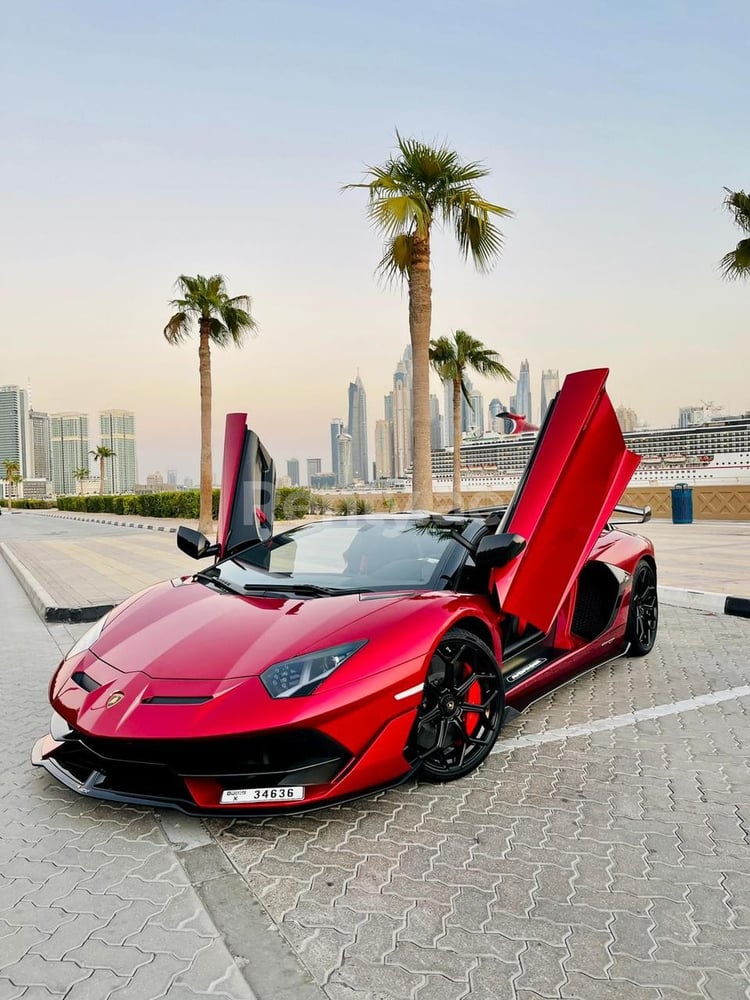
477	412
357	429
314	467
41	445
69	435
523	392
337	426
292	470
383	449
117	432
550	387
346	470
15	428
436	424
401	421
496	423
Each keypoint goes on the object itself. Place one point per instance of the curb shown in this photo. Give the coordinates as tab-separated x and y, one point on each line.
117	524
42	602
705	600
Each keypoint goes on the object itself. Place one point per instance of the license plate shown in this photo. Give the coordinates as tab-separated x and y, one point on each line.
281	793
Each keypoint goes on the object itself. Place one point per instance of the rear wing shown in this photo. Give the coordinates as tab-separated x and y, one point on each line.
635	515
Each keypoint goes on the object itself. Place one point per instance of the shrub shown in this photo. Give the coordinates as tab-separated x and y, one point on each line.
292	502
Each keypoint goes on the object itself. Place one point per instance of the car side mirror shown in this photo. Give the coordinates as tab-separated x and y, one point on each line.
498	550
195	545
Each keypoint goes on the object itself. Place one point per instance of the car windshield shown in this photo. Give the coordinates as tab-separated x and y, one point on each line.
348	554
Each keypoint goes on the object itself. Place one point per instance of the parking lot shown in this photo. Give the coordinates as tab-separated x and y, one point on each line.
602	851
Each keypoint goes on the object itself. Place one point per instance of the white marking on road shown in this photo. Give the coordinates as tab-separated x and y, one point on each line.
618	721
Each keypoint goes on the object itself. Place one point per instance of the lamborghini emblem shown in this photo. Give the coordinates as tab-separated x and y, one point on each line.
114	699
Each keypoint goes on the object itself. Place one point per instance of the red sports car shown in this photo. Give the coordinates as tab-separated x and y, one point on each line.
315	665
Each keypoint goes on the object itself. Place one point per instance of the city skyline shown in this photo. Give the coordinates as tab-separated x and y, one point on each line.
610	131
67	455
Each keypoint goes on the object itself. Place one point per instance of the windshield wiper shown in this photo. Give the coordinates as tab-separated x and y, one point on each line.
215	579
303	589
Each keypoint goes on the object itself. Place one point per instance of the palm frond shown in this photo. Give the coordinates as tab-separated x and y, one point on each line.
395	263
736	263
179	327
738	203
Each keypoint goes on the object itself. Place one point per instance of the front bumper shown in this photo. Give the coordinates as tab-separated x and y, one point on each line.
191	775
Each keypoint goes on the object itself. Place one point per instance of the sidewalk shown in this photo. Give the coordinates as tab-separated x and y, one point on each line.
704	565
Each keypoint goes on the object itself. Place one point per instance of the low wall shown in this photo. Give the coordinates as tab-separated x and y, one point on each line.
710	503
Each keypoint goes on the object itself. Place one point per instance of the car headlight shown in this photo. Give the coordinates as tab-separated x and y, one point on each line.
88	638
302	674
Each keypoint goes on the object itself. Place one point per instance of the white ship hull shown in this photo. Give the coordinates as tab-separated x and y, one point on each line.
724	470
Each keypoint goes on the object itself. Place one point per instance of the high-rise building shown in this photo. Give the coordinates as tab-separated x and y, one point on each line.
346	468
15	428
172	478
69	436
41	445
436	424
402	432
337	426
550	388
383	449
522	397
691	416
477	412
292	470
627	418
357	429
314	467
495	422
117	432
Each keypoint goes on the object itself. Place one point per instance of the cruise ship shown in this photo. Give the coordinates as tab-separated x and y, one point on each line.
715	453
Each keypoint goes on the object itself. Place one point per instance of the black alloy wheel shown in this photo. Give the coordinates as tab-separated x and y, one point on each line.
462	707
643	615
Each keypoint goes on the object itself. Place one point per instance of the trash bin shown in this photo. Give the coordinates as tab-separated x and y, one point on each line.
682	504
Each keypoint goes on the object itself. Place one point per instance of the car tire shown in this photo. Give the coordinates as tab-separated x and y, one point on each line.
462	707
643	614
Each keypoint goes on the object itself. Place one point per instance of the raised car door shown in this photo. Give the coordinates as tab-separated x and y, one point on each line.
575	476
248	486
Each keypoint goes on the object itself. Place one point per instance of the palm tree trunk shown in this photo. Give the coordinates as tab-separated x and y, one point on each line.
457	498
205	514
101	475
420	321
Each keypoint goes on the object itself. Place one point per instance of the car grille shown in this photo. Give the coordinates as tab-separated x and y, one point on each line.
159	768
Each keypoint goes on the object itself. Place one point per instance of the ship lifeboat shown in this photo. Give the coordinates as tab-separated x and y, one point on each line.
675	459
705	459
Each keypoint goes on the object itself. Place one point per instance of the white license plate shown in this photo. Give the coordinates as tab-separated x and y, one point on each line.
282	793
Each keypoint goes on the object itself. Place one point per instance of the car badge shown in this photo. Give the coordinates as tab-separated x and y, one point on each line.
114	699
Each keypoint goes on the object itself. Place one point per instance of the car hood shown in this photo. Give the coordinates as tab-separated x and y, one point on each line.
184	630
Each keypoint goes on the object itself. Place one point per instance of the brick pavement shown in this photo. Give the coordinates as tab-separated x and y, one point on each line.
610	864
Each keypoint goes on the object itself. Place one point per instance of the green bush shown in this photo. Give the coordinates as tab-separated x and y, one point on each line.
292	502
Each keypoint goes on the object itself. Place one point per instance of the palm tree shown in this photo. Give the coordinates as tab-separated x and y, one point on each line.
736	263
100	454
81	474
221	320
418	186
12	470
451	359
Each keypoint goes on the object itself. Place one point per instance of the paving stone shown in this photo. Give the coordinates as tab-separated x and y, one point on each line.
34	970
68	935
99	984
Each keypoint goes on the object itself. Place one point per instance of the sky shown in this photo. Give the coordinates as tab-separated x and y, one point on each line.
145	140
